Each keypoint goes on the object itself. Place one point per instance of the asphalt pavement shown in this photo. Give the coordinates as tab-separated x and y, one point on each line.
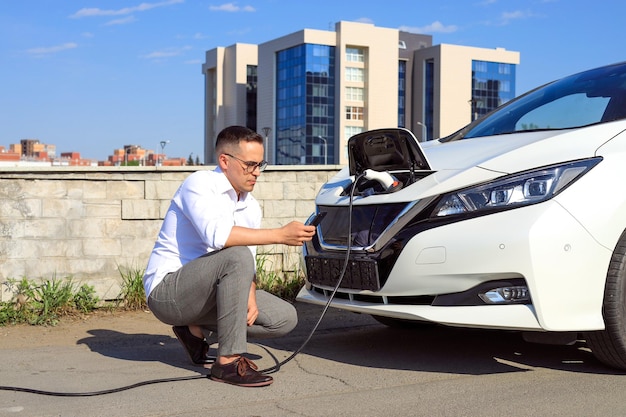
352	366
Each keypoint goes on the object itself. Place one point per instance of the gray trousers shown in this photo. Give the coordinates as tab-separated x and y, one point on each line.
212	292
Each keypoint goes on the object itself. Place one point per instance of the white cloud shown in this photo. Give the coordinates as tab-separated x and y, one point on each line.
365	20
435	27
95	11
123	21
46	50
166	53
231	7
506	17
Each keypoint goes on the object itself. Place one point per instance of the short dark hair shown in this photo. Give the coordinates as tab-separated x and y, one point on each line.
230	137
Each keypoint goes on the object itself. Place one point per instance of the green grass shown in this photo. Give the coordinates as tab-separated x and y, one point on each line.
45	302
132	295
284	285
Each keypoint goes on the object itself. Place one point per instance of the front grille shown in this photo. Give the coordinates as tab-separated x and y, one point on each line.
361	274
365	222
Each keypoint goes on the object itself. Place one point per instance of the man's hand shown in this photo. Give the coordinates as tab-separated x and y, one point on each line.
293	234
253	310
296	233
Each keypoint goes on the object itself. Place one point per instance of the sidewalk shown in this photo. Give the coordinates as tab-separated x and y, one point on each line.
116	350
352	366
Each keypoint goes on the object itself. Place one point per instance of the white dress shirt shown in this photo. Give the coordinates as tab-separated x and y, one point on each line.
199	220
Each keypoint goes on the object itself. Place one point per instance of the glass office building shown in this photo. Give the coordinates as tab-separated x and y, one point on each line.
310	91
402	94
251	96
305	105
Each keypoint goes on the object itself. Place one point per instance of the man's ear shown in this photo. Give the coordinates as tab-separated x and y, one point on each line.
221	161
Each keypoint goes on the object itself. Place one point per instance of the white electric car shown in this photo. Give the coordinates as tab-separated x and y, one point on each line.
517	221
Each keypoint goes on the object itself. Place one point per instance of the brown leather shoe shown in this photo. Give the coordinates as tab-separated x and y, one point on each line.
242	372
195	347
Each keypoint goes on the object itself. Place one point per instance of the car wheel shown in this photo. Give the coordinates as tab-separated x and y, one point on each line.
402	323
609	345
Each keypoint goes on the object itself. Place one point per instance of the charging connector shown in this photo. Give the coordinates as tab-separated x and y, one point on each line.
384	178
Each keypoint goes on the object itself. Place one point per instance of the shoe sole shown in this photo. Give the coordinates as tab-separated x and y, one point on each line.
252	385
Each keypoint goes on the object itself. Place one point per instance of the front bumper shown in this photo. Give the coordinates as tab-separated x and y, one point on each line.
562	265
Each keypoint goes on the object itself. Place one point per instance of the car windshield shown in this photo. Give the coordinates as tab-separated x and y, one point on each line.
590	97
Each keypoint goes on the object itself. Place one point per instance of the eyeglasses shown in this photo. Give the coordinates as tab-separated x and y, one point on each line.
250	166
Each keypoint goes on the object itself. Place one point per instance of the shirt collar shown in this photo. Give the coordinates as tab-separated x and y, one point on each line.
224	186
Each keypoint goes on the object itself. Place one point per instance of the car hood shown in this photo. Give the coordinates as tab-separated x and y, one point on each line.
519	151
463	163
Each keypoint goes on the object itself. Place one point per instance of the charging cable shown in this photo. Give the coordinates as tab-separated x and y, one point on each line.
276	367
103	392
272	369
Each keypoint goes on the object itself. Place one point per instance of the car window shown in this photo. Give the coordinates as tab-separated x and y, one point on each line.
564	112
594	96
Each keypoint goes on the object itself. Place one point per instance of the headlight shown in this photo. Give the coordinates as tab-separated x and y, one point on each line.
514	190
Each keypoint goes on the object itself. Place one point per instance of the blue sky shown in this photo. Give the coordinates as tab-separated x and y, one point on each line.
94	75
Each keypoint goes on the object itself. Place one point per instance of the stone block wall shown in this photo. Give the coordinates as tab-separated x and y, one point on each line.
91	223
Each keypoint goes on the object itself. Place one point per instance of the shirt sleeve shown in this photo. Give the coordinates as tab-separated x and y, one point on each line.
208	208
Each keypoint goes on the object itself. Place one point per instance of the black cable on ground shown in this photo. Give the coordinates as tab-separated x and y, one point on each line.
272	369
103	392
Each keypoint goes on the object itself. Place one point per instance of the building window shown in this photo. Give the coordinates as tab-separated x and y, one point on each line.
319	90
354	113
354	93
492	85
320	110
354	54
350	131
355	74
479	66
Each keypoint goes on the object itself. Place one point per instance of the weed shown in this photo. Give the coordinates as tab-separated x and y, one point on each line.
132	295
85	299
8	313
44	303
53	298
283	285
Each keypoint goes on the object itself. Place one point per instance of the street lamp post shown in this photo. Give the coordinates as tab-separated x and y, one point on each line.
424	131
163	143
325	150
266	132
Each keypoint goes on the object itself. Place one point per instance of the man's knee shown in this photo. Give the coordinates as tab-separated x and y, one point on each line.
291	319
242	257
277	316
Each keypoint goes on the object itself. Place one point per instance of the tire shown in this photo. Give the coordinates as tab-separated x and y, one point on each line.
402	323
609	345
